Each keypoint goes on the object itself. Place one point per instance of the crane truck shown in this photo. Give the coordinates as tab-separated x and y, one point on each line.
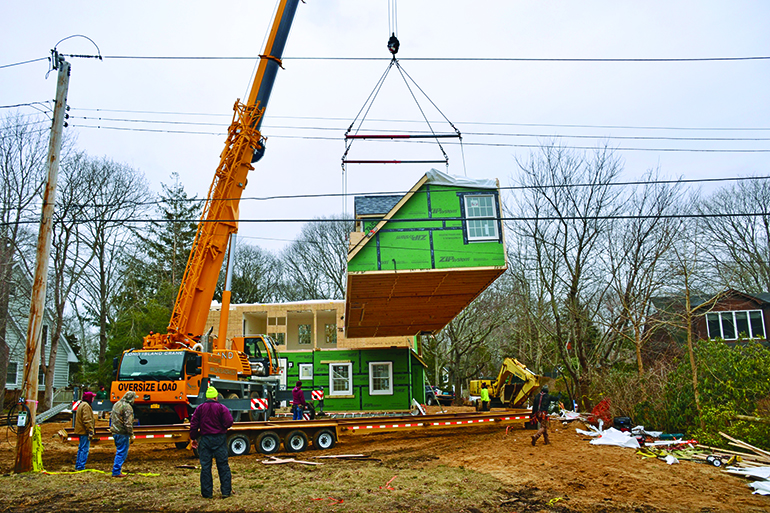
514	384
172	370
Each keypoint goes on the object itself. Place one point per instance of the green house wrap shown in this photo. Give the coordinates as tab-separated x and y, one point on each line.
417	260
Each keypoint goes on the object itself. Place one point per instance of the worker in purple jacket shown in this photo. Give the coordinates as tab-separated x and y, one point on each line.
210	422
298	401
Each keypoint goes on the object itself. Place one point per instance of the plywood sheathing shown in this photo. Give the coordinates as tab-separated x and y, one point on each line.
405	303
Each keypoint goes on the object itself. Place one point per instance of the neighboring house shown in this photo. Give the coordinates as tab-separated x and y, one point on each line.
16	337
731	316
416	261
355	374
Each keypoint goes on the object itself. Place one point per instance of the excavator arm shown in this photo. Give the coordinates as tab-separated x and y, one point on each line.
219	219
514	384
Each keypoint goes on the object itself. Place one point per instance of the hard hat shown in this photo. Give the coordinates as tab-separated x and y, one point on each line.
211	393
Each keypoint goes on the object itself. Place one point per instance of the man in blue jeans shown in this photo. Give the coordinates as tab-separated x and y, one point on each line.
208	431
122	428
298	402
84	429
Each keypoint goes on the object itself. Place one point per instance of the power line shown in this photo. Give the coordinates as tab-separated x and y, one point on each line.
433	59
483	123
23	62
510	145
480	134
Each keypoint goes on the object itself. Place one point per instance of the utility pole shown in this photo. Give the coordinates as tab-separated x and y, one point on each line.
37	306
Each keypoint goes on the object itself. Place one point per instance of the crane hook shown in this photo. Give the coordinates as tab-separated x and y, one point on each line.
393	44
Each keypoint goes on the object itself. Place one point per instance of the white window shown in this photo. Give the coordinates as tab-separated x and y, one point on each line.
331	333
381	378
10	378
480	212
341	379
306	372
735	325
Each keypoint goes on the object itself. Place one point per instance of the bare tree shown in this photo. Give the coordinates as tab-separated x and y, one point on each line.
23	149
738	227
568	201
637	248
70	251
316	263
117	195
465	341
256	276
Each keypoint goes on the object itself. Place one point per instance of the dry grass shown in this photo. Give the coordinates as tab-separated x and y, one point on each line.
360	485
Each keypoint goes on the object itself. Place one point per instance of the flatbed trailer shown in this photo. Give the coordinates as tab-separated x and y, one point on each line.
297	435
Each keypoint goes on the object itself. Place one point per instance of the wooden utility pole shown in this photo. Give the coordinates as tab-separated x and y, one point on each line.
37	306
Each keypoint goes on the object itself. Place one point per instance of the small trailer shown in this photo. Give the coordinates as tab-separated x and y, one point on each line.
298	435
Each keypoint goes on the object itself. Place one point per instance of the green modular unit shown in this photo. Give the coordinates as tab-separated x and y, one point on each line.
361	380
438	227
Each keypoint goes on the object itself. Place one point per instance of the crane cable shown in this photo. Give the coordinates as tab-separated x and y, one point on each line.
393	47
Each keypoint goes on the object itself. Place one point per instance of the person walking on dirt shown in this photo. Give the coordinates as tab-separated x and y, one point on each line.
84	429
540	414
101	395
210	422
122	428
298	401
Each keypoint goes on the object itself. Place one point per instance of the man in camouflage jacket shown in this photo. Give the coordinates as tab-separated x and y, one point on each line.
122	428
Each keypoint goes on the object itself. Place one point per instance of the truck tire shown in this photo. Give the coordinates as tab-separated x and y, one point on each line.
429	401
268	442
236	414
238	445
295	441
324	439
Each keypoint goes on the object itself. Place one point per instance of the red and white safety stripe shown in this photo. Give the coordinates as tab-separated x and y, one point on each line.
106	438
317	395
258	404
446	423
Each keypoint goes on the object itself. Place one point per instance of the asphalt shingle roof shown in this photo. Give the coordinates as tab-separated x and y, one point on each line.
375	205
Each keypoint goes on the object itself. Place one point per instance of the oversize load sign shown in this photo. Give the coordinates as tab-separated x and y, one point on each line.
147	386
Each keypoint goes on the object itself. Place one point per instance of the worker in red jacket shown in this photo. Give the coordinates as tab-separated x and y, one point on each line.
208	431
298	401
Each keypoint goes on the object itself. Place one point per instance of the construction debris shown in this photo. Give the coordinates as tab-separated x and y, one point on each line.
273	460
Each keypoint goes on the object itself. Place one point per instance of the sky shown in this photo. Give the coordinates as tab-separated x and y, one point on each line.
162	116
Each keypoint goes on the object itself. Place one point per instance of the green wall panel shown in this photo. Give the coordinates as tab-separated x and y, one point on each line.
405	244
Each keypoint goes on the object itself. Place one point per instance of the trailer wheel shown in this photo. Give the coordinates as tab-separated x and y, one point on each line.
324	439
268	442
238	444
236	414
295	441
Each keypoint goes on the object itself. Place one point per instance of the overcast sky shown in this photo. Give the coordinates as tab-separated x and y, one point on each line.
147	106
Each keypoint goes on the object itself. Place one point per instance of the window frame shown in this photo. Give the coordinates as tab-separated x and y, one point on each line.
727	318
389	390
309	335
332	390
306	372
468	218
15	374
330	328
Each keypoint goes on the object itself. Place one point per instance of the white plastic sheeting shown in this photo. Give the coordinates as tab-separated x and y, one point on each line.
438	178
760	487
613	436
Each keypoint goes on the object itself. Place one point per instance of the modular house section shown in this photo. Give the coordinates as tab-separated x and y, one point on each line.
415	261
360	380
374	374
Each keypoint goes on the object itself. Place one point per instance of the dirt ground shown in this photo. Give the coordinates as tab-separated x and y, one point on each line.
569	475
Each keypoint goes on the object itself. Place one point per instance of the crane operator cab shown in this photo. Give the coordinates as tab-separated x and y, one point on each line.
261	352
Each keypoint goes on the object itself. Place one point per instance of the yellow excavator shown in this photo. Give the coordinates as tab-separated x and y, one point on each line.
513	386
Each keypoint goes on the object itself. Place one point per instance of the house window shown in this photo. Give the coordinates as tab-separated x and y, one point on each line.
331	333
735	325
381	378
280	338
304	334
480	213
306	372
10	378
341	378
